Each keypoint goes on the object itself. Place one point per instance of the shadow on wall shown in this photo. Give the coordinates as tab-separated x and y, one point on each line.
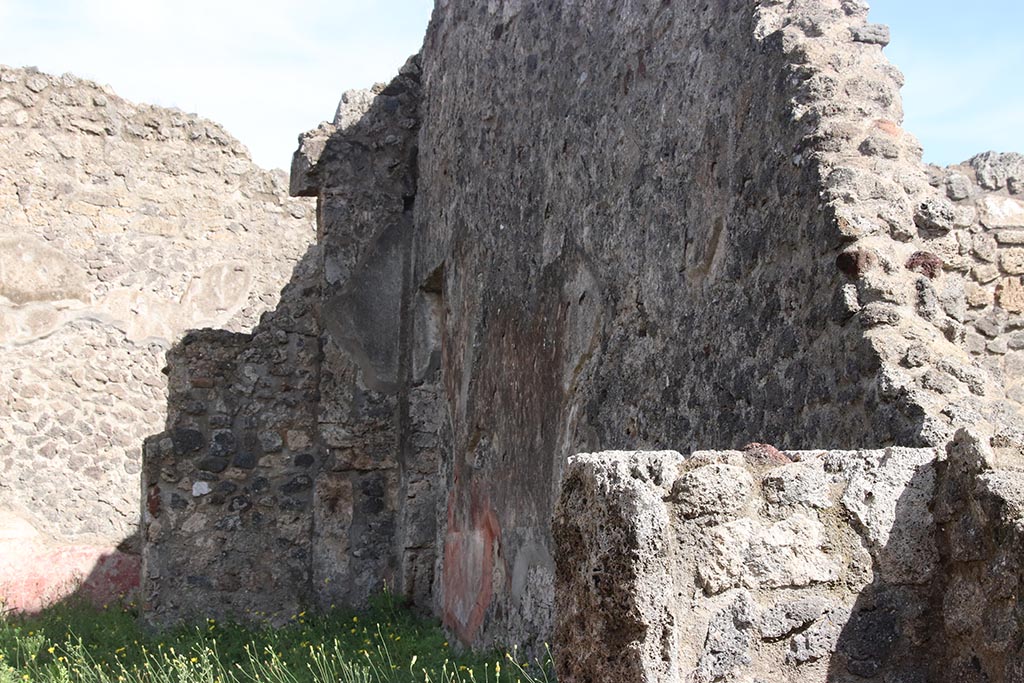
944	602
890	632
38	576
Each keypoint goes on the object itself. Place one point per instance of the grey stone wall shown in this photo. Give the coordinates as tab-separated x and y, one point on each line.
981	296
298	466
580	226
668	223
121	226
228	486
640	257
812	566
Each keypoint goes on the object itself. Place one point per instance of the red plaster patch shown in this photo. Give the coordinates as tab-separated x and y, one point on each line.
887	126
469	554
153	500
34	575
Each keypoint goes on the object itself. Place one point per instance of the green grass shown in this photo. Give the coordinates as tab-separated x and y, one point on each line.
81	644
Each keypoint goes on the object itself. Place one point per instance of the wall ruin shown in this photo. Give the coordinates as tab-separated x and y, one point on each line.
281	481
121	226
695	225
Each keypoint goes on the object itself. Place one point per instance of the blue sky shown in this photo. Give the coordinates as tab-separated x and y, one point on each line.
269	71
964	65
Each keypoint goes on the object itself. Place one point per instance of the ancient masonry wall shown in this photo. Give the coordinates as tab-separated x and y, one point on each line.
121	226
896	564
695	225
282	481
707	228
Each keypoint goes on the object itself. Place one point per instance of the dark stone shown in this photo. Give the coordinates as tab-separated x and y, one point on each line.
925	263
219	421
290	504
212	463
869	640
240	504
178	502
245	460
302	482
186	440
856	262
223	444
194	408
304	460
229	523
195	581
226	487
764	454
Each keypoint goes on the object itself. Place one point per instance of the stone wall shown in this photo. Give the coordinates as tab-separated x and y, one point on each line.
121	226
984	255
297	467
696	225
707	228
895	564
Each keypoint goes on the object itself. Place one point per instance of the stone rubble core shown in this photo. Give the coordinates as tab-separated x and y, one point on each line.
121	226
882	565
568	227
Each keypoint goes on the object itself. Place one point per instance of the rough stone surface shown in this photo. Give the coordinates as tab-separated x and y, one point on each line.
852	602
699	224
121	226
297	469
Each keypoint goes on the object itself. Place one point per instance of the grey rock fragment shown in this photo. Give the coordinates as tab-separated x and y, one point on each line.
797	484
270	441
788	617
815	643
935	214
712	490
994	169
958	186
728	641
874	34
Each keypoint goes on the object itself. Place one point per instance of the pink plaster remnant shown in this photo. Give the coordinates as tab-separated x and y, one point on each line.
35	574
470	550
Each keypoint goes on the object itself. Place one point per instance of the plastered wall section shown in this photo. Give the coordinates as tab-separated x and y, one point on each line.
121	226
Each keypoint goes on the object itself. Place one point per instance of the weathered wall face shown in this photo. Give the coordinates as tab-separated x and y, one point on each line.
375	505
637	255
806	566
121	226
695	223
589	225
297	467
227	515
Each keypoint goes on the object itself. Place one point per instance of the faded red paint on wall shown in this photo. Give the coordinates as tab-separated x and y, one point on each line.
34	575
472	547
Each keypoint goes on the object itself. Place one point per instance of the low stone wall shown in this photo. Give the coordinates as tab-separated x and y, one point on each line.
227	515
767	566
